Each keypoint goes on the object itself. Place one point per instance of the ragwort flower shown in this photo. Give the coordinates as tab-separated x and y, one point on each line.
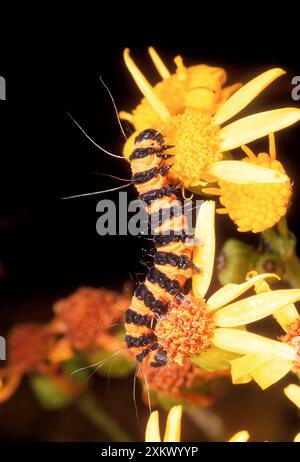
205	329
199	140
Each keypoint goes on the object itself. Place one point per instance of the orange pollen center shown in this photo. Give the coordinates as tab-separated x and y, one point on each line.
186	329
195	137
292	338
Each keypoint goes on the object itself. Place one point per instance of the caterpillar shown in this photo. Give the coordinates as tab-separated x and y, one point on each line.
171	273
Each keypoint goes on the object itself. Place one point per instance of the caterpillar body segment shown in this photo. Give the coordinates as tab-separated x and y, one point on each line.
171	273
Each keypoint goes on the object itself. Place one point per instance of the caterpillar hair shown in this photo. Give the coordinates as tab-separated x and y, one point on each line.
171	273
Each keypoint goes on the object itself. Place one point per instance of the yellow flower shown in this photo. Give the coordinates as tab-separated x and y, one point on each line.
173	427
211	328
263	367
292	391
255	206
243	436
201	85
197	136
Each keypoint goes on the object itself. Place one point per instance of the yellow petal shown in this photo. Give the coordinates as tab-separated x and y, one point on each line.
145	87
240	437
152	429
246	94
255	307
173	428
286	316
243	367
271	372
214	359
235	171
158	63
231	291
292	391
256	126
242	342
204	253
297	438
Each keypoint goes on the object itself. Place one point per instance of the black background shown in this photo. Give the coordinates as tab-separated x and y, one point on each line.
49	246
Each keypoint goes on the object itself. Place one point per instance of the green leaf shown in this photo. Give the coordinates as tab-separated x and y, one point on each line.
74	367
214	359
109	364
47	392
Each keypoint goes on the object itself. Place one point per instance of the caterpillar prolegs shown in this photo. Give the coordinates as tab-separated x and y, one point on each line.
169	277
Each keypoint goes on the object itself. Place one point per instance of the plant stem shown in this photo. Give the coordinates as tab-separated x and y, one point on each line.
283	242
90	407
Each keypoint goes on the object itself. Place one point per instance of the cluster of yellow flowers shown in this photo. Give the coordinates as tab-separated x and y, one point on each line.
190	108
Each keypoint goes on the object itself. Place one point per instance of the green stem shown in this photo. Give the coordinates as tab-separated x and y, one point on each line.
292	268
283	242
90	407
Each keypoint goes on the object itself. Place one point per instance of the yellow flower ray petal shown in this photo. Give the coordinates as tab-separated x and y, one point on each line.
240	437
152	429
297	438
292	392
243	342
230	291
271	372
158	63
173	427
204	253
235	171
243	366
256	126
256	307
145	87
286	316
242	97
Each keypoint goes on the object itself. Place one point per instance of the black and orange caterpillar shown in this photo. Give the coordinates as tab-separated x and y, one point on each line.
169	278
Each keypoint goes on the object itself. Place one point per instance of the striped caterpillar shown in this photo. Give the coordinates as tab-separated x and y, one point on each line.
169	278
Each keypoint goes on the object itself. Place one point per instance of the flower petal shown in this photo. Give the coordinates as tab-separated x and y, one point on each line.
173	428
231	291
243	366
240	437
242	342
271	372
292	391
152	429
158	63
214	359
286	316
204	252
236	171
256	307
145	87
246	94
256	126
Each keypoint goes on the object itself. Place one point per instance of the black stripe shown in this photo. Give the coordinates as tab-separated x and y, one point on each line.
147	175
157	194
149	134
132	317
156	306
169	258
160	239
172	286
140	153
145	352
142	340
160	359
